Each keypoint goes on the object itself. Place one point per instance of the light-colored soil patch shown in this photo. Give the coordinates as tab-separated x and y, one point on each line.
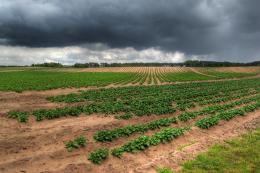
238	69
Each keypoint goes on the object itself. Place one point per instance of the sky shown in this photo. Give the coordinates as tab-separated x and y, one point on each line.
80	31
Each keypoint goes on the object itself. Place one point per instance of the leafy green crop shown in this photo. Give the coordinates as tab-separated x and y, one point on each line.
44	80
207	122
98	155
76	143
143	142
20	116
109	135
125	116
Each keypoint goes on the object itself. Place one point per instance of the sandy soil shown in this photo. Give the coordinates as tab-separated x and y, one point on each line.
239	69
38	146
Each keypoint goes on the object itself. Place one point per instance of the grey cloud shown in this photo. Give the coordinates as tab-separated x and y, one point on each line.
217	29
16	55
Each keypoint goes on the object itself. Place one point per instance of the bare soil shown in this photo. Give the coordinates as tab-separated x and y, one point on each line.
39	146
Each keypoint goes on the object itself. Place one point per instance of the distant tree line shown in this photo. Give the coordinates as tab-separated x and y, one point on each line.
189	63
51	64
87	65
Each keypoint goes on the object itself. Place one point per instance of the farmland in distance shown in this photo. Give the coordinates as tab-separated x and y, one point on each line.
22	79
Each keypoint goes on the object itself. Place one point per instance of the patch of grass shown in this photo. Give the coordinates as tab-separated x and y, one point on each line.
237	155
163	170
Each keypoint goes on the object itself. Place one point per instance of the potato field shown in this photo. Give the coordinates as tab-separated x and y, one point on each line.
128	119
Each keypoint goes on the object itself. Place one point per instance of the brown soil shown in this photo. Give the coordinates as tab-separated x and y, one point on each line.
38	146
28	100
238	69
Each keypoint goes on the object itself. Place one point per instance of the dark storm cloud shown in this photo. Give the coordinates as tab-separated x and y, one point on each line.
217	28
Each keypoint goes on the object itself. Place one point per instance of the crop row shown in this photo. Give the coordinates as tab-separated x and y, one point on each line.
76	143
174	92
138	144
20	116
109	135
185	116
207	122
143	142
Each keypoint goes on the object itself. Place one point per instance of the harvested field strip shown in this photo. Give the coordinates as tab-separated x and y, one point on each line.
224	74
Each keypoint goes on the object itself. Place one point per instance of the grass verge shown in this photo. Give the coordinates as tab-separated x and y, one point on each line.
237	155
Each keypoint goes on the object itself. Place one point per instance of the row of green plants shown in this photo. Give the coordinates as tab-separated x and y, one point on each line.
109	135
99	155
76	143
20	116
227	97
138	108
138	144
208	122
42	114
143	141
185	116
125	116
